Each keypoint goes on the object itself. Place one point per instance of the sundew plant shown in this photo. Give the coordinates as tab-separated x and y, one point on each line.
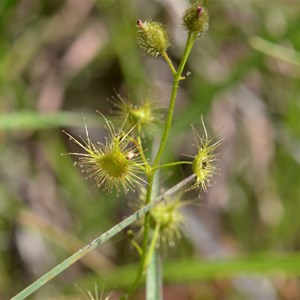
122	162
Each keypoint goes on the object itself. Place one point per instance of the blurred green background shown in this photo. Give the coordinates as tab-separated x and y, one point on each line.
60	60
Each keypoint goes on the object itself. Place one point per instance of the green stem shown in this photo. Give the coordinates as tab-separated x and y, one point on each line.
189	44
141	151
154	278
137	247
177	77
145	242
173	164
169	62
152	246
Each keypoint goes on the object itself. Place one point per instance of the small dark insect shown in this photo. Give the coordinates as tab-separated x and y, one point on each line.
120	136
204	165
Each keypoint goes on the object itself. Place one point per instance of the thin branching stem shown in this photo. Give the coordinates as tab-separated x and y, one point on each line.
169	62
145	241
137	247
176	163
189	44
177	77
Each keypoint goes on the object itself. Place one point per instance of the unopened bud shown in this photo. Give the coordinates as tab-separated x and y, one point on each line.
196	19
153	37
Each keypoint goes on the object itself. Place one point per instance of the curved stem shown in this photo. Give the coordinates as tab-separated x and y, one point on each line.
136	247
169	62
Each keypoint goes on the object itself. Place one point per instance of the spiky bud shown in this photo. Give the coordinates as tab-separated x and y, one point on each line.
203	162
152	37
113	164
146	113
196	19
169	217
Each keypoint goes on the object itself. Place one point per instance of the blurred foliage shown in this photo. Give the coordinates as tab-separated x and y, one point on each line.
60	60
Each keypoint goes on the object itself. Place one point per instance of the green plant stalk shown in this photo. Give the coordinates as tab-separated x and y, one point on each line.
188	47
169	62
99	241
144	243
136	247
176	163
154	278
177	77
152	246
153	274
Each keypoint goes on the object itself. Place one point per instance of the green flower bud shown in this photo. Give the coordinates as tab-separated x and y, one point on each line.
114	164
147	114
169	217
196	19
204	161
153	37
